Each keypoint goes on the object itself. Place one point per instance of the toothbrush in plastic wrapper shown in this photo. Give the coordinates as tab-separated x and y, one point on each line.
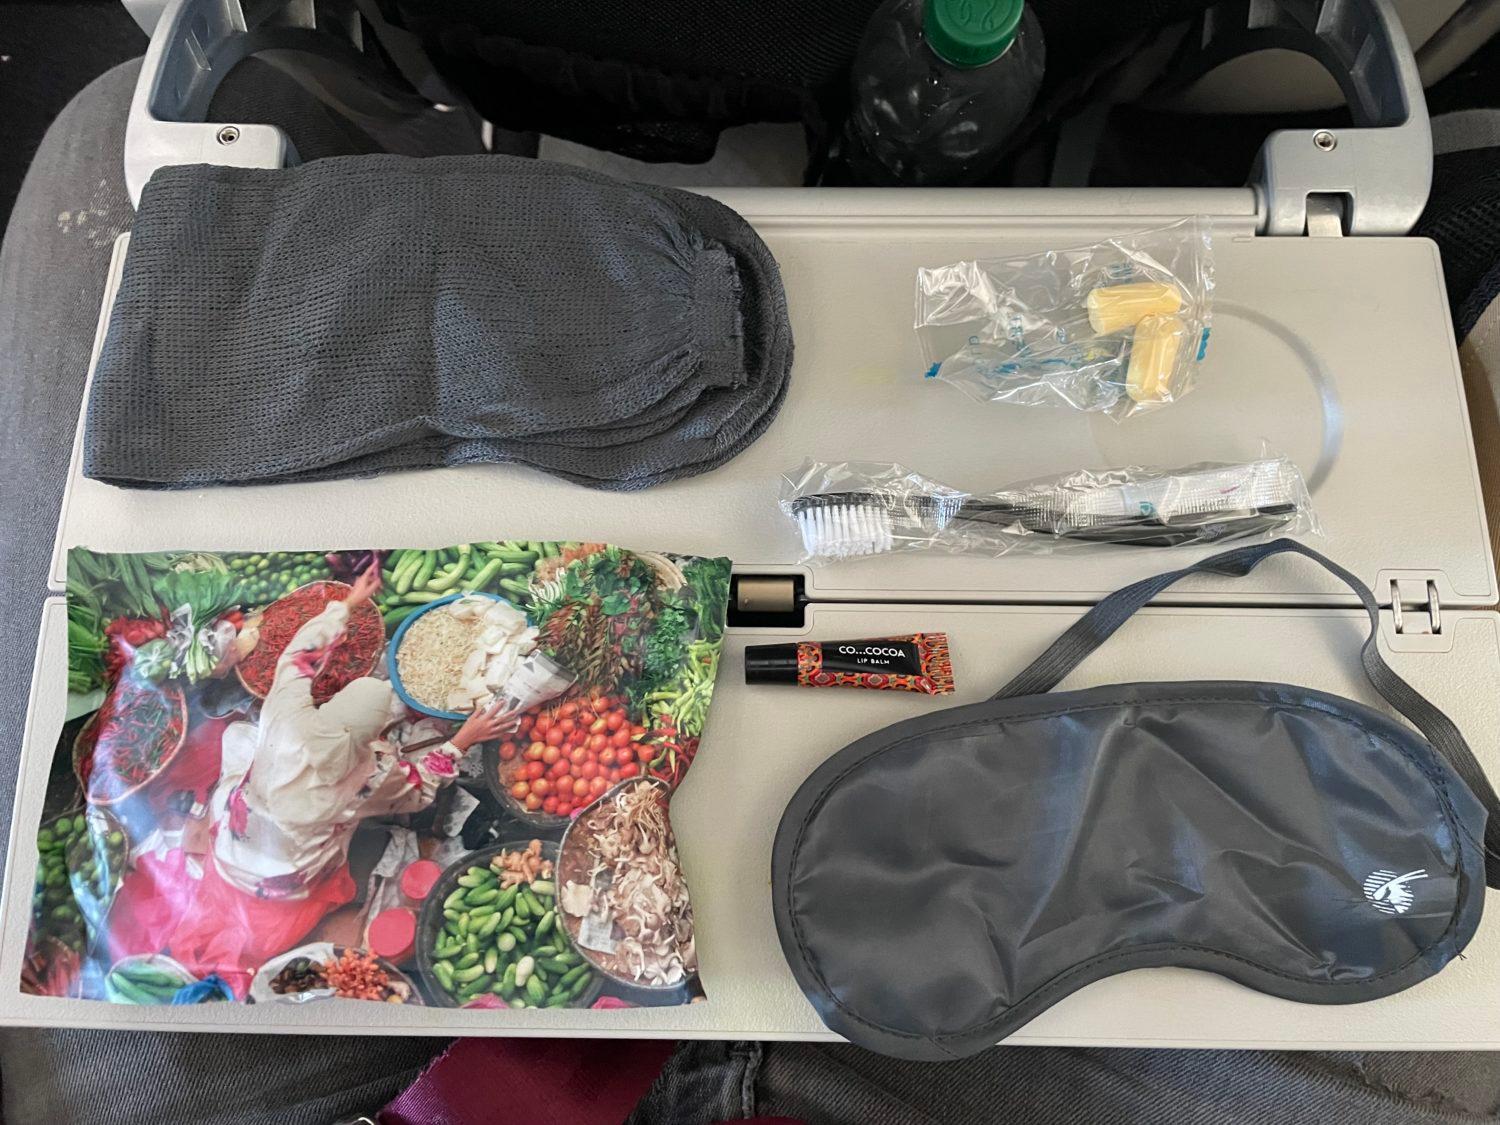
893	509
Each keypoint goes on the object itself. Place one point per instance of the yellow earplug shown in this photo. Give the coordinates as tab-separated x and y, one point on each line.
1153	354
1116	308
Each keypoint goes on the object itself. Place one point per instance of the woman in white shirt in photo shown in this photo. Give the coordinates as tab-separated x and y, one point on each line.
294	785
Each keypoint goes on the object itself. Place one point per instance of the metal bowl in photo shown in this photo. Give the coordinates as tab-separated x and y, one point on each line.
432	920
574	839
393	649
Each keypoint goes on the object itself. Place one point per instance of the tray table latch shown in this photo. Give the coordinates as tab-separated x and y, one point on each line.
1372	177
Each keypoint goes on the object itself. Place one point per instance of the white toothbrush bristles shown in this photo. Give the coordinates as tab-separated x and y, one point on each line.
844	531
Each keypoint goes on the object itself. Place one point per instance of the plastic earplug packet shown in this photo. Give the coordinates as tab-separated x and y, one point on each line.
1118	327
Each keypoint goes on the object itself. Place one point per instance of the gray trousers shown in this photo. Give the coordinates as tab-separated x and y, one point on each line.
51	275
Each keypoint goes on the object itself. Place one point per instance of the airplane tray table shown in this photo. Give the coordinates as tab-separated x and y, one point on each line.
1336	351
761	743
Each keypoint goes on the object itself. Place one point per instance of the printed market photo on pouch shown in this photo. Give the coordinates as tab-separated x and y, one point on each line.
411	776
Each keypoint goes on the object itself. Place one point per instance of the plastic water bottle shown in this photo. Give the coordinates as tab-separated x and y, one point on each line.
938	88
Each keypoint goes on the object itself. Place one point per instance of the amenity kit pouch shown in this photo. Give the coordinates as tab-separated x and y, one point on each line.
366	314
941	882
502	724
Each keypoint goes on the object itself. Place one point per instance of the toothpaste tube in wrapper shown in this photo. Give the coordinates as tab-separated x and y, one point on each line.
918	662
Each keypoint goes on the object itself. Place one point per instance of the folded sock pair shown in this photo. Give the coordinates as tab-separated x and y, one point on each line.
367	314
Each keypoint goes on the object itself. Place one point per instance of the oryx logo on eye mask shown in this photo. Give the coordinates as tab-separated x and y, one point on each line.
1392	893
939	883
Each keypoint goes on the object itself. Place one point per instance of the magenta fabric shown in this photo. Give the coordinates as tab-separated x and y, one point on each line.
531	1082
536	1082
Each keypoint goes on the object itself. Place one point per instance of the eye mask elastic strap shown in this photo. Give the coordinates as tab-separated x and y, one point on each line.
1100	623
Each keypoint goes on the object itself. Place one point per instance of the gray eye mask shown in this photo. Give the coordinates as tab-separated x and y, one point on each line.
944	880
365	314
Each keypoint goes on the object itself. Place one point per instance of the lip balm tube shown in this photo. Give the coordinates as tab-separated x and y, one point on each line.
919	662
1117	308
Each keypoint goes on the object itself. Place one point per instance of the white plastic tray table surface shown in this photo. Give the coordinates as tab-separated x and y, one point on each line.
762	742
1336	351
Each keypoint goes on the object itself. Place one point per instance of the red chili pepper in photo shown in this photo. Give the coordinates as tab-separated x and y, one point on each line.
50	971
136	631
128	739
668	756
350	657
125	635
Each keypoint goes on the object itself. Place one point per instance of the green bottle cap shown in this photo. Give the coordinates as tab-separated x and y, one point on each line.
971	32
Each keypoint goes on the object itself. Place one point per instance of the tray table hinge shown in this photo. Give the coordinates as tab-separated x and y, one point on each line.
1326	215
1416	607
767	601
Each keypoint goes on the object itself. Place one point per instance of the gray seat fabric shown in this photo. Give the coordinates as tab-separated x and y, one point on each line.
52	268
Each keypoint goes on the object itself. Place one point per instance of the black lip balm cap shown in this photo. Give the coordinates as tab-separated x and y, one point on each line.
771	664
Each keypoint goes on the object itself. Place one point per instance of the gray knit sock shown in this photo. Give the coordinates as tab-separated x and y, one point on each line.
364	314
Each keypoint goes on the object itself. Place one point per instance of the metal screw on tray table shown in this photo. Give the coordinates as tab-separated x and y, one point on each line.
1325	140
229	134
